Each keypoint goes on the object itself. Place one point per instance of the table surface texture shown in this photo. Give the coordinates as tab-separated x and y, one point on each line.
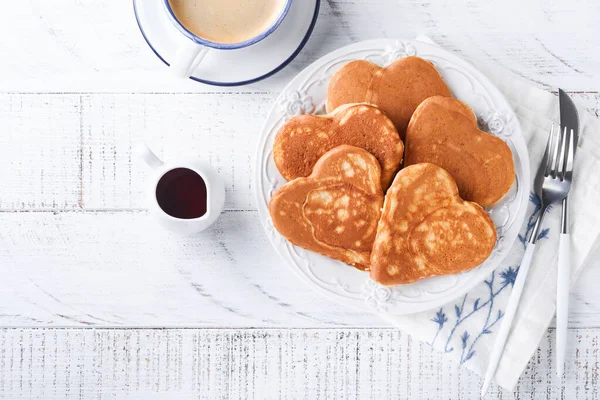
97	301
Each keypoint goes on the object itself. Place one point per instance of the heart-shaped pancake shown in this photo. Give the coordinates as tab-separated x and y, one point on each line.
397	89
305	138
335	210
444	131
426	229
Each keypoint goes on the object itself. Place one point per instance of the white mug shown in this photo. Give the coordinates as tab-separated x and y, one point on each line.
191	53
215	192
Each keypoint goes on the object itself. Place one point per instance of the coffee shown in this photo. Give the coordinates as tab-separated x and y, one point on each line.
227	21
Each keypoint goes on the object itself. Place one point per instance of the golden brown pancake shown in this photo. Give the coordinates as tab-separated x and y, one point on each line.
443	131
305	138
426	229
335	210
397	89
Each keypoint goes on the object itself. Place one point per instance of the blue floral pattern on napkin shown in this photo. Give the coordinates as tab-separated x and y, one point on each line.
451	320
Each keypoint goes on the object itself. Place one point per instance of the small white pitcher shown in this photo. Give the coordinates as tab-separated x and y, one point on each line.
215	192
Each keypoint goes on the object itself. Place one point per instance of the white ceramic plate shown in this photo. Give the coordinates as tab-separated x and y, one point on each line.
307	94
231	67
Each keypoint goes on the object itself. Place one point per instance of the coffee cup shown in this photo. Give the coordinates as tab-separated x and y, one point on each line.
220	25
186	196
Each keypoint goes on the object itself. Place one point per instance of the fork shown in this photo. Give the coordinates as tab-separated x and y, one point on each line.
552	184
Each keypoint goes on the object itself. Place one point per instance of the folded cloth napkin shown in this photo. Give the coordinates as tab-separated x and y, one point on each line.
467	327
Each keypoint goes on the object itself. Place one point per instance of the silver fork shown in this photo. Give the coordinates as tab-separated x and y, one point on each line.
552	184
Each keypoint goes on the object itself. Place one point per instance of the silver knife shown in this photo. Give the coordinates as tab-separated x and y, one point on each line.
569	119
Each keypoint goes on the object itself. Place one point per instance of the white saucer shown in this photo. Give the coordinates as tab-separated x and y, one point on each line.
231	67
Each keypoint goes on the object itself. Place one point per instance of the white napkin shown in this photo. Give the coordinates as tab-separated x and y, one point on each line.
466	328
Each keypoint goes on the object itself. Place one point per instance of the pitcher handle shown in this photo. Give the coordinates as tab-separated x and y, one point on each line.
143	152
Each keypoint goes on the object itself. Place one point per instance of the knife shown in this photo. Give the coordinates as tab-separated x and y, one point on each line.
569	119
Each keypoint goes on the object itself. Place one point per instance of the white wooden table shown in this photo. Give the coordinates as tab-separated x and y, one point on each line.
86	275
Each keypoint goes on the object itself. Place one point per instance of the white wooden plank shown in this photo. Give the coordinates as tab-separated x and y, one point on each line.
112	269
266	364
120	269
72	151
222	129
49	171
40	152
72	45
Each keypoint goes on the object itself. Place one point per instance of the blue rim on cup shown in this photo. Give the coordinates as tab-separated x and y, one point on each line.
227	46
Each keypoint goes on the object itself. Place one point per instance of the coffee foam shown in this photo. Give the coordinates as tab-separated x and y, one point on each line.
227	21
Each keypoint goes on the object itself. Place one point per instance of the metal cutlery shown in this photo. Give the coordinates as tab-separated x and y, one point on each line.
552	184
569	120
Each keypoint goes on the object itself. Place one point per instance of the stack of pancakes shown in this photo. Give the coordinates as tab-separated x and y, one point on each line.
347	196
